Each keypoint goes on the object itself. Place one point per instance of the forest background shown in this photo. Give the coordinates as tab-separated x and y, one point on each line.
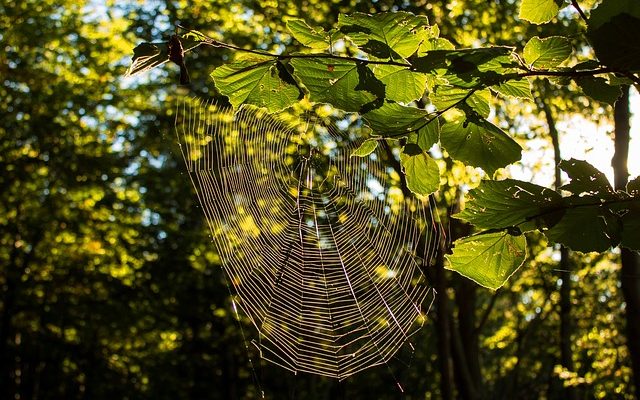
111	287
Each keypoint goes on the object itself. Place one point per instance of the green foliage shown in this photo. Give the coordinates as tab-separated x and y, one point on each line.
593	218
367	147
489	259
109	286
261	82
344	84
475	141
539	11
315	38
510	203
401	58
401	84
548	52
391	36
423	174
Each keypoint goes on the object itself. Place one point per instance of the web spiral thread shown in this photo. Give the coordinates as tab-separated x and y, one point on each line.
322	249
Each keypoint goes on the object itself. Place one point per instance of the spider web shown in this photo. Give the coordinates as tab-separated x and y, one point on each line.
322	250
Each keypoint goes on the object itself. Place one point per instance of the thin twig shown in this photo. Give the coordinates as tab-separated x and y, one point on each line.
575	5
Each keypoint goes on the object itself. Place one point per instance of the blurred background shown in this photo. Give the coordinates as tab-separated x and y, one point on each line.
112	289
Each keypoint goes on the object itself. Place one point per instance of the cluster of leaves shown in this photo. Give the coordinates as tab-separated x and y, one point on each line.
593	217
412	85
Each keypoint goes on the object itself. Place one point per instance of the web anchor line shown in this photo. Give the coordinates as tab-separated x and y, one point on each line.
322	249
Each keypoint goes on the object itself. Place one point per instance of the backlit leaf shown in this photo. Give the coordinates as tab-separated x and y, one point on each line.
477	142
599	89
338	82
402	85
393	35
538	11
546	53
367	147
264	83
393	119
510	203
309	36
489	259
421	171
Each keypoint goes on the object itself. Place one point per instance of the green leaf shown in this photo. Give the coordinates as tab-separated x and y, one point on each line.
262	82
612	29
402	85
392	35
511	203
585	229
520	88
340	83
393	119
599	89
367	147
429	135
548	52
585	179
538	11
433	42
489	259
468	68
421	171
477	142
315	38
444	97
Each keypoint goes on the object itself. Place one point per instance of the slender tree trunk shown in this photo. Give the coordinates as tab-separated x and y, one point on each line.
443	322
466	301
630	270
564	265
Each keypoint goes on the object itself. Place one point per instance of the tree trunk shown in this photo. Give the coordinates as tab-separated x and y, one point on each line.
466	301
443	321
564	265
630	270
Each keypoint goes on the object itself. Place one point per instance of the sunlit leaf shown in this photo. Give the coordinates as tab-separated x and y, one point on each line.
147	56
342	83
402	85
489	259
444	97
477	142
468	68
510	203
586	228
309	36
538	11
599	89
548	52
421	171
520	88
393	35
393	119
367	147
262	82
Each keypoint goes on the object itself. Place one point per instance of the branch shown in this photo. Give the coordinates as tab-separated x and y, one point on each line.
209	41
575	5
